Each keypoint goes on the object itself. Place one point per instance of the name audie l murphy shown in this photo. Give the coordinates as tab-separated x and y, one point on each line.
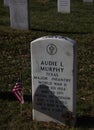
52	66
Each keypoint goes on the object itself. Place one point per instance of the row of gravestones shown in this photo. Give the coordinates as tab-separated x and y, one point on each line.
19	11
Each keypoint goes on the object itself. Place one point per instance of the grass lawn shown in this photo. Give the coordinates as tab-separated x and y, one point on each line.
15	58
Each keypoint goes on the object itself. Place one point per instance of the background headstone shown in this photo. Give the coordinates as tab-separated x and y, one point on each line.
64	6
54	79
19	14
6	2
87	0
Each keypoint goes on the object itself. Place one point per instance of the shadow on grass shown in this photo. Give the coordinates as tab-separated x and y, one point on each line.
56	31
85	122
81	122
10	97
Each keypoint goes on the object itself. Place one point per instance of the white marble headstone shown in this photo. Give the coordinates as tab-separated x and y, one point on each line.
6	2
87	0
53	62
64	6
19	14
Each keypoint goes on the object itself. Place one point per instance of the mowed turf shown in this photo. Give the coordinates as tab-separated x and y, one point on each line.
15	58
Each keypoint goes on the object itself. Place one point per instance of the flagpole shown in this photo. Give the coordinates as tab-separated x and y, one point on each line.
21	84
21	79
22	92
21	109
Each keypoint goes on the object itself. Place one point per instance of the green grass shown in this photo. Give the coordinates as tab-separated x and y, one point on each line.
15	58
80	19
44	16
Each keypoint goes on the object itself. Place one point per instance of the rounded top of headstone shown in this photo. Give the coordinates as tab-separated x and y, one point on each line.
56	38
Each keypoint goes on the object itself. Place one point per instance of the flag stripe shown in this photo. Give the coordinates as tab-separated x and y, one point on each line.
17	91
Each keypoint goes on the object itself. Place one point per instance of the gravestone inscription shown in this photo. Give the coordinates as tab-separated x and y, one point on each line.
54	79
19	14
64	6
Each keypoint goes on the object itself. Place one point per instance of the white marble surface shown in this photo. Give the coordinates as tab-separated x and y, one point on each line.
19	14
6	2
64	6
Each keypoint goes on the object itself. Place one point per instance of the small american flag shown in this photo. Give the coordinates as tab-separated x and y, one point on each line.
18	92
